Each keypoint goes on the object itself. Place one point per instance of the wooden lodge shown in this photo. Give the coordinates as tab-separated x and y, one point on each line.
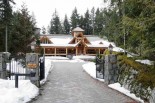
76	44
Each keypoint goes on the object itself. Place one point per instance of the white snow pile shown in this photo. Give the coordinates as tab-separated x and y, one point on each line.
23	94
118	87
85	57
62	41
25	91
48	68
148	62
90	68
56	58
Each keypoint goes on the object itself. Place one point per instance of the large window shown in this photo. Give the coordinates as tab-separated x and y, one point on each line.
49	50
91	51
61	51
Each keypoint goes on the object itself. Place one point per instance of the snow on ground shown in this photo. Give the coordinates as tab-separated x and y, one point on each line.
48	68
148	62
25	91
85	57
118	87
23	94
90	68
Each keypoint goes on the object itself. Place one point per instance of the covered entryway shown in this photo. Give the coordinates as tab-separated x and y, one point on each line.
80	48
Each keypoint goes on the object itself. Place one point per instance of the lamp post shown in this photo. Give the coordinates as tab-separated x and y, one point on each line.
6	38
32	47
110	48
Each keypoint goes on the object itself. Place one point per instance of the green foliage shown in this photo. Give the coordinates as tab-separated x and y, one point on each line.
131	25
139	77
55	25
75	18
5	19
66	25
21	31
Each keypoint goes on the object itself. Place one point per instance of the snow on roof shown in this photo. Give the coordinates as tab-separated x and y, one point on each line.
59	45
63	40
77	29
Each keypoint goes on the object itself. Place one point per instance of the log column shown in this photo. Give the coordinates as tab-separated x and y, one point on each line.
55	51
76	50
66	51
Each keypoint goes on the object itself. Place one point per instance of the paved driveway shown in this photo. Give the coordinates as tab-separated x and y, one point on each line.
68	83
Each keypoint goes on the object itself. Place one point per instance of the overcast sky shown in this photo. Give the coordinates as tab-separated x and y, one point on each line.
43	9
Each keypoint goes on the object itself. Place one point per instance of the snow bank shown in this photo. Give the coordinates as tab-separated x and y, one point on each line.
48	68
23	94
90	68
118	87
85	57
148	62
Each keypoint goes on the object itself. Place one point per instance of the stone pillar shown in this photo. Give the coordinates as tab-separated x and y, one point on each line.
32	67
111	69
4	57
152	97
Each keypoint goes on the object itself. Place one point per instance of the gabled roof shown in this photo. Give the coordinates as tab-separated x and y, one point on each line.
81	42
77	29
45	37
86	41
72	41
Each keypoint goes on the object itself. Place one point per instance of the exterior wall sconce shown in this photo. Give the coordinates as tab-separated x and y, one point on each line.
110	48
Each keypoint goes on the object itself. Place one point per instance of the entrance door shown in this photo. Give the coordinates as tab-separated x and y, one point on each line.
80	50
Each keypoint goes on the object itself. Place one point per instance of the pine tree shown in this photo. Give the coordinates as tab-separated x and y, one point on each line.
92	17
87	26
55	25
43	30
75	18
98	22
5	19
22	31
66	25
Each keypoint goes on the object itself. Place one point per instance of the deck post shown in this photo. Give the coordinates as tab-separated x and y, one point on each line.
66	52
55	51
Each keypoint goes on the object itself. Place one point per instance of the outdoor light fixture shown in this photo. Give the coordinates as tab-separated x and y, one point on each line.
110	48
32	47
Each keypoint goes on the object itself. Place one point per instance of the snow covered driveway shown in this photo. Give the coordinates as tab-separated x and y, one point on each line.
69	83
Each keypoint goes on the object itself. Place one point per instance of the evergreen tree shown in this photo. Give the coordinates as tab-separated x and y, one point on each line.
55	25
98	21
66	25
43	30
75	18
87	26
92	17
5	19
81	22
22	31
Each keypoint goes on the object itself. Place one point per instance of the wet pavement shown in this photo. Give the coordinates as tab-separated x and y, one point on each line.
68	83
